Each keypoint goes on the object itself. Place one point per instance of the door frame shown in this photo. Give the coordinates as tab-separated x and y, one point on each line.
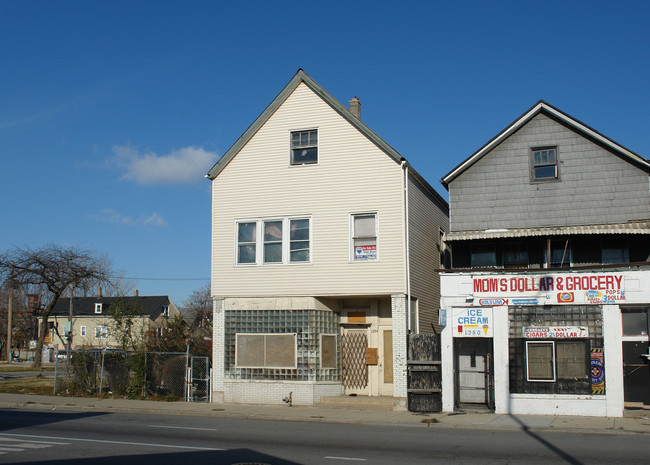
489	370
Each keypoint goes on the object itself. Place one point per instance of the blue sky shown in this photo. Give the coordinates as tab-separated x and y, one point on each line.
112	112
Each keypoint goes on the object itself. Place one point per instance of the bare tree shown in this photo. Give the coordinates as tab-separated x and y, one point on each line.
52	270
199	306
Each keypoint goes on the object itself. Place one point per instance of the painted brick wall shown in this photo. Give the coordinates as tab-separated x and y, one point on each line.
272	392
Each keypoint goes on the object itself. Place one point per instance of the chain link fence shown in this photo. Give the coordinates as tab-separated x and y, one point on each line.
135	375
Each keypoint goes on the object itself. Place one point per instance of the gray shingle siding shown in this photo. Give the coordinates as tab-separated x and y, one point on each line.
595	185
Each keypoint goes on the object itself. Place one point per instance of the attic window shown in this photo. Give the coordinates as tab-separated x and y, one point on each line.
304	147
164	311
544	164
98	308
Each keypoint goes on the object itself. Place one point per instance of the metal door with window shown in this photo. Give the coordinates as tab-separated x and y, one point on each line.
474	371
354	344
636	366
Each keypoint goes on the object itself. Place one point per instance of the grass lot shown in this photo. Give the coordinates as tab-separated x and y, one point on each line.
28	386
13	367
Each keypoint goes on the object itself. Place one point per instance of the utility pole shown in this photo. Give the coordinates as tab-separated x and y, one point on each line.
69	332
10	311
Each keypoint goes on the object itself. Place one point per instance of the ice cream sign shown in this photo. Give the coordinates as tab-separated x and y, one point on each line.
472	322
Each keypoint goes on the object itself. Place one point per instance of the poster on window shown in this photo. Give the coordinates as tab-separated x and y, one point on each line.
597	371
365	252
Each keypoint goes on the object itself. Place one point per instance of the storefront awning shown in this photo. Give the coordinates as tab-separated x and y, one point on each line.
622	228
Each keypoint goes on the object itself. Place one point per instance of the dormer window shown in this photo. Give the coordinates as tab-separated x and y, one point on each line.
544	164
304	147
98	308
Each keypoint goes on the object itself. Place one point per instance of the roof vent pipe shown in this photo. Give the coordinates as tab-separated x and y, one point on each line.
355	107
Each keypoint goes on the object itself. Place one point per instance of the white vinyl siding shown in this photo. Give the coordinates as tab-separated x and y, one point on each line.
352	175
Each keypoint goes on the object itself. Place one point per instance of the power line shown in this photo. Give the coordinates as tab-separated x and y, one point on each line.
162	279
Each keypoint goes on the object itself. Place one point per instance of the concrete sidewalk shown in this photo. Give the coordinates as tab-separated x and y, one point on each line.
633	422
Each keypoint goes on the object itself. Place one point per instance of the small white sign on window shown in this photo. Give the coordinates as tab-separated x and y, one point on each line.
365	252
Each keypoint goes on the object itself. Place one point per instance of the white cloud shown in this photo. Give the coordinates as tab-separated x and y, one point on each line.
184	166
108	215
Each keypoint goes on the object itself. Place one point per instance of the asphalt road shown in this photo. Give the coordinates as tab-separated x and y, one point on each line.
28	436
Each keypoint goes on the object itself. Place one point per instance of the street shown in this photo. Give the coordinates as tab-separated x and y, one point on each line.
52	437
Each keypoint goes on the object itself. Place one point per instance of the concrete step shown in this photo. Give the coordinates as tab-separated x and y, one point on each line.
360	403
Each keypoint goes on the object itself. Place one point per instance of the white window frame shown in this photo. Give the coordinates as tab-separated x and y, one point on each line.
352	255
101	332
295	349
164	311
98	308
286	241
294	131
553	362
82	331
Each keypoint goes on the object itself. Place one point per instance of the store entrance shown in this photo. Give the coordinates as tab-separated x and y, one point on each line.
474	372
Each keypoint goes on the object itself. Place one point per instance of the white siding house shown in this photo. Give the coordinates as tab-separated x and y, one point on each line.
311	278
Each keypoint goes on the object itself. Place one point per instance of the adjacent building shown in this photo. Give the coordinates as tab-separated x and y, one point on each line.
325	243
90	321
546	304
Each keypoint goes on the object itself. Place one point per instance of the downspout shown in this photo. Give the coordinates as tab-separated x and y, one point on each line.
408	252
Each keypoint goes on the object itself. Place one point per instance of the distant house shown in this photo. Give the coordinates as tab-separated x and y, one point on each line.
325	242
548	298
92	319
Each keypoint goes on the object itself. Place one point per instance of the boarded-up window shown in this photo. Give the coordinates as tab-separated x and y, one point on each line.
540	361
328	357
265	351
571	360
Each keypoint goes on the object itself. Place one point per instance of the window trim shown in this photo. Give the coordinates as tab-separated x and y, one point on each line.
553	358
293	131
264	366
352	256
286	240
99	308
532	151
82	331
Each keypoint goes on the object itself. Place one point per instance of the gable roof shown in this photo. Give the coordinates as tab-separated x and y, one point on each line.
560	117
298	78
150	306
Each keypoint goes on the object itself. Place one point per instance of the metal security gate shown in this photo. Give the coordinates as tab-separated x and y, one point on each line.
354	344
199	386
474	371
424	384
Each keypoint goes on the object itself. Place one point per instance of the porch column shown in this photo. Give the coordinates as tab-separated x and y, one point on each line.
218	339
400	333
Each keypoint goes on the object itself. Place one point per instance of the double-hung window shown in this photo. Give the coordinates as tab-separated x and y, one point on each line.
247	242
304	147
544	164
364	236
98	308
273	241
101	332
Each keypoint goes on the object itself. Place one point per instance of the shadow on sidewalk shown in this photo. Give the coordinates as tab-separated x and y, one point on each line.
556	450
